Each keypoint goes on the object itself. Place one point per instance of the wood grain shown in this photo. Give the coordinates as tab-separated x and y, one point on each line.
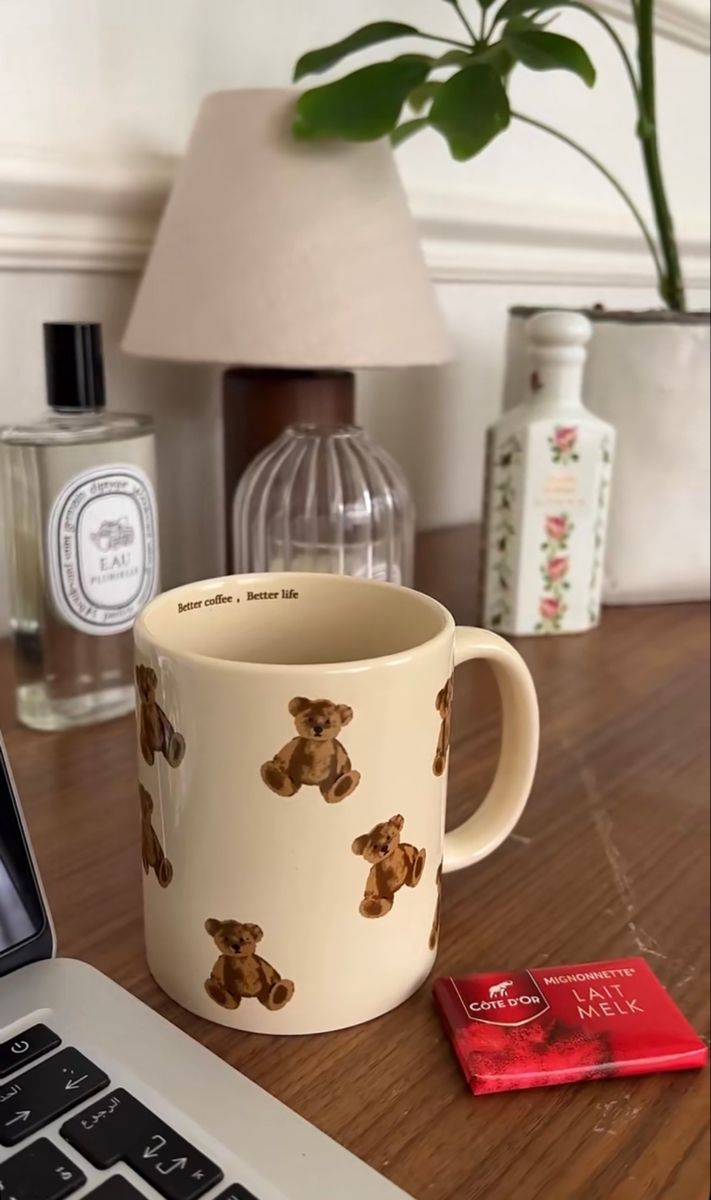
610	859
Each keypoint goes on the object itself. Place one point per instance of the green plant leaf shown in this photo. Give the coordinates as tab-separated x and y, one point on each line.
425	59
317	61
516	8
495	54
420	97
362	106
470	109
454	58
528	10
542	51
521	23
498	57
407	130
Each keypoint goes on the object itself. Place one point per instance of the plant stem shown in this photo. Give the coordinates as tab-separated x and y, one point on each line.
462	17
434	37
671	282
610	178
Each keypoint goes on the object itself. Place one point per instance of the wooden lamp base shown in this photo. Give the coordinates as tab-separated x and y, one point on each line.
258	405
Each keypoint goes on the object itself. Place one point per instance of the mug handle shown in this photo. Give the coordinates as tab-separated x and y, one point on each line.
505	801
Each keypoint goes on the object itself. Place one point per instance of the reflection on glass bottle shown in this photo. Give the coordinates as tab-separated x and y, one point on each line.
327	500
82	540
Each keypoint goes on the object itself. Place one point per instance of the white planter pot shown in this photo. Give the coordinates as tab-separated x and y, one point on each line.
648	375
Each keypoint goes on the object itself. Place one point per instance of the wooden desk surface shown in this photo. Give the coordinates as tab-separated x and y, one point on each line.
609	859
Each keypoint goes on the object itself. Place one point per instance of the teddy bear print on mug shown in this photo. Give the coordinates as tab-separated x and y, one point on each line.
314	757
443	704
239	973
152	852
394	864
156	734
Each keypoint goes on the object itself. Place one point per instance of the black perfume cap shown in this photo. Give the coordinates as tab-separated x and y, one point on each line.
74	363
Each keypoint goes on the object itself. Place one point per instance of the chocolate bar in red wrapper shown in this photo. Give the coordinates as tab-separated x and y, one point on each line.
525	1029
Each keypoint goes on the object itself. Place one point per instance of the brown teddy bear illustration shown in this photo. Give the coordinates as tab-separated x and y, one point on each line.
315	757
443	704
151	850
393	865
239	972
156	733
434	932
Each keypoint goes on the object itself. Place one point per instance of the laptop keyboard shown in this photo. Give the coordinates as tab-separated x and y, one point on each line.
115	1128
118	1128
16	1052
45	1092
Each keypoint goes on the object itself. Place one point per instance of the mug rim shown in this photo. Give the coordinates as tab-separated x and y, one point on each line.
140	626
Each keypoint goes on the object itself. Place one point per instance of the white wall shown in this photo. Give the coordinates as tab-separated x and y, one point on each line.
96	100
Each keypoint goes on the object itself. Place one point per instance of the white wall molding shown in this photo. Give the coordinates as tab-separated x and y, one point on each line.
482	238
683	21
79	214
92	216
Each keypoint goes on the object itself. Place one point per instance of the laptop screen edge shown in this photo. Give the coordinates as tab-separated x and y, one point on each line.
41	943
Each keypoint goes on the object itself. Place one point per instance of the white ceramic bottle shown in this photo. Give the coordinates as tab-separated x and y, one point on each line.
82	540
547	491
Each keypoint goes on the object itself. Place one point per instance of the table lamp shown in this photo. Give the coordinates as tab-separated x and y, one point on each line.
291	264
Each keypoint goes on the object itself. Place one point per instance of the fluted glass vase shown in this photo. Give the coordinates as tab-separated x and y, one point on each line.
328	500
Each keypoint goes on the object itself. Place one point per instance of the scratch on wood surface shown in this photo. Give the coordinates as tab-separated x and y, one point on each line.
615	1113
645	943
521	839
686	979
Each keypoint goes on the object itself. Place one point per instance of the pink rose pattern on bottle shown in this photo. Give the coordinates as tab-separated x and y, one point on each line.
505	461
550	608
504	464
563	444
556	527
555	568
600	522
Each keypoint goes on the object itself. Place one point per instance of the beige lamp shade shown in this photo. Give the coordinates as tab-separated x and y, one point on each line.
274	253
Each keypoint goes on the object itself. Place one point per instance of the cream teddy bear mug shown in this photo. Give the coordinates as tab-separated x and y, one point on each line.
293	738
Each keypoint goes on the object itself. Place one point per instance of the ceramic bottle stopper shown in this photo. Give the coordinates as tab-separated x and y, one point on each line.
547	491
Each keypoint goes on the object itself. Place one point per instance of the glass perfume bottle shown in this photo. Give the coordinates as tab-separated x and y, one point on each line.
547	492
327	500
82	540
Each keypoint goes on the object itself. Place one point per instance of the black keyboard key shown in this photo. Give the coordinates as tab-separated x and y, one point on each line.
39	1172
118	1128
25	1047
171	1165
103	1131
115	1188
45	1092
237	1191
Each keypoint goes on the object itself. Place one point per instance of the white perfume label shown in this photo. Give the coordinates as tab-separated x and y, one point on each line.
102	548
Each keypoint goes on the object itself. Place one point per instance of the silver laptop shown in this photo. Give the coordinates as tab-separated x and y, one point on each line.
100	1097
